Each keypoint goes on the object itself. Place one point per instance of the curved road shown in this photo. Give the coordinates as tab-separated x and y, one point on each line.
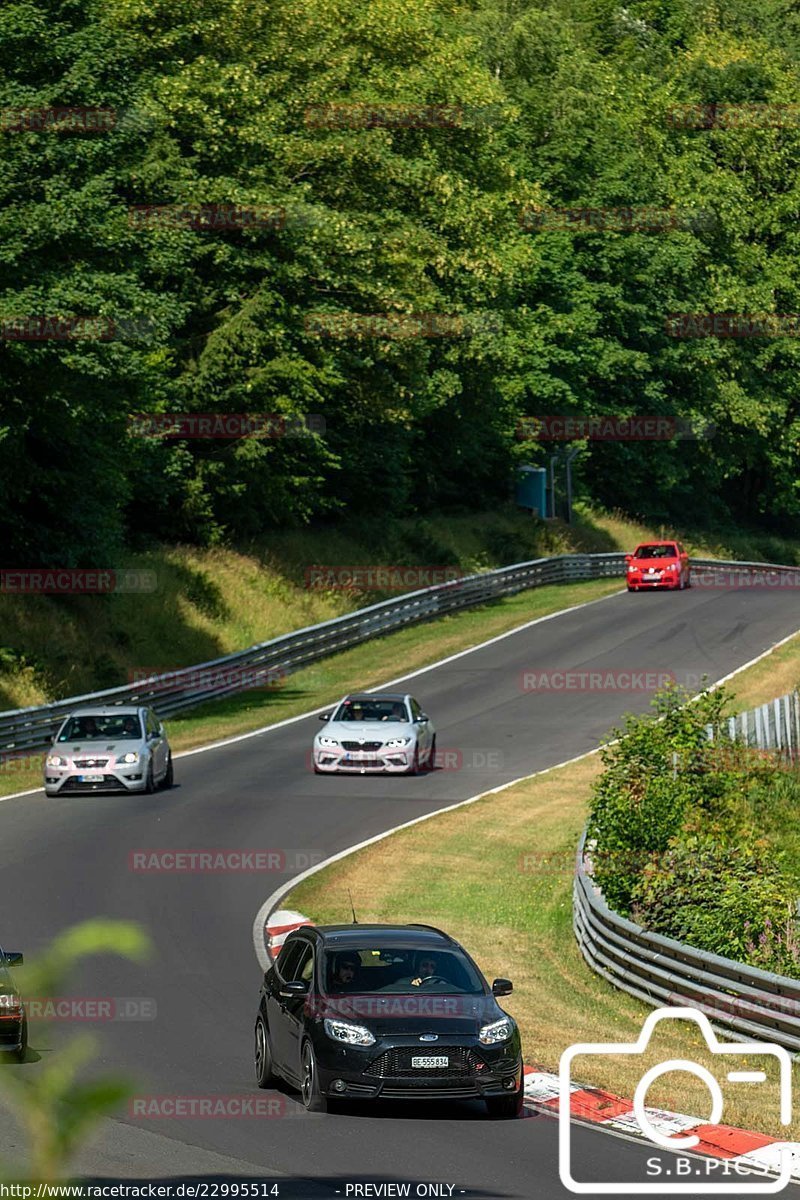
66	860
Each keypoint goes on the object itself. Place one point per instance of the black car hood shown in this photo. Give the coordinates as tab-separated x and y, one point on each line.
444	1015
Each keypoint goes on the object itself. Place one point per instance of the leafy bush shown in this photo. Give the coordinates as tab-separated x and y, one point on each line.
729	899
658	769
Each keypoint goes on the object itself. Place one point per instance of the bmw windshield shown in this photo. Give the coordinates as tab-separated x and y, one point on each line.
371	710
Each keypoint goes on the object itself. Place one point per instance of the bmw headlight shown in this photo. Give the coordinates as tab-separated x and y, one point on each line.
328	741
130	757
57	760
498	1031
396	743
351	1035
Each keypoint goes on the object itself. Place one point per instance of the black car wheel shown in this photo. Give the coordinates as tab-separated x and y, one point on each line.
313	1099
20	1055
149	783
265	1073
414	768
169	778
504	1108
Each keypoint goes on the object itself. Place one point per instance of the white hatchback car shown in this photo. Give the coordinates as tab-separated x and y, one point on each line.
119	749
375	731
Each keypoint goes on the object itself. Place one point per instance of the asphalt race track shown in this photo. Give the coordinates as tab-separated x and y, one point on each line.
65	860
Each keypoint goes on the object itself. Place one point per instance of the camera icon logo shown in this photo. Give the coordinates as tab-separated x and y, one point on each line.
697	1183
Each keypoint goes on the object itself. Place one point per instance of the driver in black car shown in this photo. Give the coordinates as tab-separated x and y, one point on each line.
427	965
346	972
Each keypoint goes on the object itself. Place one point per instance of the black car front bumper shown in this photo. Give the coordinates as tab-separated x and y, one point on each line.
384	1071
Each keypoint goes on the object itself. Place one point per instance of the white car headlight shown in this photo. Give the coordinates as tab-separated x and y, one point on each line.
498	1031
57	760
396	743
130	757
351	1035
328	741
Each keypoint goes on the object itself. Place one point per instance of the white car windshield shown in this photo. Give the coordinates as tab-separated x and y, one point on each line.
101	728
371	710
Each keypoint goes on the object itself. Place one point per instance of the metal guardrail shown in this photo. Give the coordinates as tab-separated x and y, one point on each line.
745	1002
772	726
30	729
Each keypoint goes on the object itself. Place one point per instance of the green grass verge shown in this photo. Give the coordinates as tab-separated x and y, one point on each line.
362	667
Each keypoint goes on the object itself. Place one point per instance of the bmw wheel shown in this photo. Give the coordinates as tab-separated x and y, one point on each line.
313	1099
265	1073
414	768
432	755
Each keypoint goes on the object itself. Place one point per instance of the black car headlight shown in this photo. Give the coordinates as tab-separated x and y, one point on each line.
351	1035
498	1031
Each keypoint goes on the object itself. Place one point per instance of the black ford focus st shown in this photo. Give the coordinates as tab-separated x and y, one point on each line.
385	1012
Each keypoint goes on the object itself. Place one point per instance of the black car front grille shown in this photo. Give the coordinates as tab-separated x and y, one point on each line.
89	762
110	784
361	745
396	1064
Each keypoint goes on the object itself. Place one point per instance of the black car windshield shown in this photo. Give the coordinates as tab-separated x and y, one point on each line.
656	552
371	710
396	970
101	728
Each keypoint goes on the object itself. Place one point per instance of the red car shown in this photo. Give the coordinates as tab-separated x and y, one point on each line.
659	565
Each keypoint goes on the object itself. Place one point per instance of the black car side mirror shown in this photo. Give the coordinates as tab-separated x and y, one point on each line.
502	987
13	958
324	716
423	718
295	987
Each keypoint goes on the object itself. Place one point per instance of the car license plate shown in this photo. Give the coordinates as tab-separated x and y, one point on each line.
90	779
652	574
429	1060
